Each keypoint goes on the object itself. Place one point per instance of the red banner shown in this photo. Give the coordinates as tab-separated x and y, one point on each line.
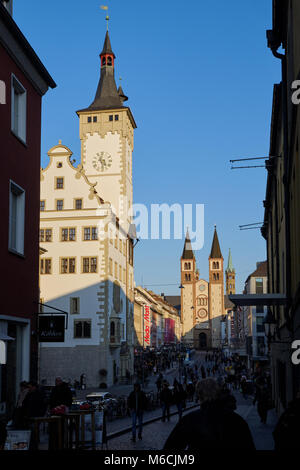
169	330
147	326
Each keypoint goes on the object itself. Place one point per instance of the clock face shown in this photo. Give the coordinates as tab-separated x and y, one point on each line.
102	161
202	287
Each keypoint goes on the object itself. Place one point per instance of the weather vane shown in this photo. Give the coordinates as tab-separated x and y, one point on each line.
105	7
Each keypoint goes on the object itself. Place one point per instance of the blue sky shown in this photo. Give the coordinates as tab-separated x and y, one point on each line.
199	77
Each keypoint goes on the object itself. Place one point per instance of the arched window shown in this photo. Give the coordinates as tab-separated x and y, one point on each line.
217	276
112	328
103	60
109	60
214	265
217	265
189	265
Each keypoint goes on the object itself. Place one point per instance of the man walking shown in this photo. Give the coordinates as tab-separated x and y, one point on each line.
166	400
214	426
137	404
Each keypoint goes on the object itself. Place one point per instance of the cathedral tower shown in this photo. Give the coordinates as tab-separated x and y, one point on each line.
230	276
216	290
188	278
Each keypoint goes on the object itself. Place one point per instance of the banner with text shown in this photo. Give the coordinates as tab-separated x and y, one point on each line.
147	326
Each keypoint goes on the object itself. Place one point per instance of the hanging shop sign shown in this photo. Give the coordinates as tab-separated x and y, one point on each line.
51	328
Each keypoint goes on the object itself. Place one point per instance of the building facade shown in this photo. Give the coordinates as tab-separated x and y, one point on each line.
165	324
202	303
281	228
86	227
256	342
24	80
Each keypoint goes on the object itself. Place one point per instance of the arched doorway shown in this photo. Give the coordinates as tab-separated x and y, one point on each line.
202	341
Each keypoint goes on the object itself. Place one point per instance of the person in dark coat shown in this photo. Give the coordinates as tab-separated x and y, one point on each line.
286	432
262	397
34	403
166	400
33	406
214	426
179	396
136	403
60	395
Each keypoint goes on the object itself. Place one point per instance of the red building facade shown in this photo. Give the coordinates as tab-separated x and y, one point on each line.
24	80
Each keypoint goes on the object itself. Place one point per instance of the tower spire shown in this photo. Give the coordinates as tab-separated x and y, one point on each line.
107	96
230	267
215	248
187	249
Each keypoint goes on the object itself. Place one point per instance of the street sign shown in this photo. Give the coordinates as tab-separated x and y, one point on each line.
51	328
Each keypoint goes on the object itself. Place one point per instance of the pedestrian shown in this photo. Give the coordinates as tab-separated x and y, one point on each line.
33	406
214	426
18	417
179	397
61	394
166	400
136	403
203	373
244	387
159	382
262	397
286	432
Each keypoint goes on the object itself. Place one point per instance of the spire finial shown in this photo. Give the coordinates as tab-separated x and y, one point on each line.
105	7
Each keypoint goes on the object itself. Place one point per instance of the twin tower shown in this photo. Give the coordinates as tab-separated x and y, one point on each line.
203	303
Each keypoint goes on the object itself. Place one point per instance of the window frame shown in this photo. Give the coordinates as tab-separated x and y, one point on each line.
82	321
59	178
19	130
68	258
63	203
43	261
75	201
90	258
17	246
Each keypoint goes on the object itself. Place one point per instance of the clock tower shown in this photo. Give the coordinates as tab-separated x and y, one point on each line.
106	133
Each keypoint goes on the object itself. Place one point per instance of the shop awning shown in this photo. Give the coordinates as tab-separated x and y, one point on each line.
242	300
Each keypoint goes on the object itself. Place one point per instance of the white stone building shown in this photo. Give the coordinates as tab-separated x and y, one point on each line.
86	229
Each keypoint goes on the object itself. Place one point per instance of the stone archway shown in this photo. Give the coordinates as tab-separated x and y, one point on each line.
202	341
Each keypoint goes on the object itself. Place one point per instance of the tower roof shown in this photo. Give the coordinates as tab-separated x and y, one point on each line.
188	250
230	267
107	96
107	46
215	248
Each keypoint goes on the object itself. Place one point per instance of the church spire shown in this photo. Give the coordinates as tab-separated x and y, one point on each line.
230	267
107	96
188	250
215	248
